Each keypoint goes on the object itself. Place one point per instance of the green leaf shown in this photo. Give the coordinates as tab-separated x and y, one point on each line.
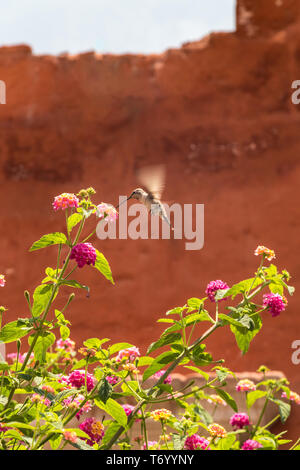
109	433
226	442
242	287
73	220
64	332
228	398
159	363
222	375
105	390
43	343
195	318
195	303
41	297
145	361
114	409
103	267
204	415
95	343
55	441
163	341
175	311
73	283
253	396
244	336
118	347
56	238
284	409
15	330
198	371
178	441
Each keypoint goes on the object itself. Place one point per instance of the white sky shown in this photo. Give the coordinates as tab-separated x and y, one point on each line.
117	26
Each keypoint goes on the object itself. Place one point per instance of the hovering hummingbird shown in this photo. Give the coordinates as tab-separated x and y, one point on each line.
153	180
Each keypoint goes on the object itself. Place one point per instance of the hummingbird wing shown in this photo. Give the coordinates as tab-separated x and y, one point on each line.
153	178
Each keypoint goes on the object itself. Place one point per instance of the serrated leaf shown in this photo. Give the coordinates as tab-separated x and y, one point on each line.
284	409
103	267
159	363
253	396
198	371
114	409
73	220
13	331
228	398
114	348
164	340
56	238
105	390
43	343
41	298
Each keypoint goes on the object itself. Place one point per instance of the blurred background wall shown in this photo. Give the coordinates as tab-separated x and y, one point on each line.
218	113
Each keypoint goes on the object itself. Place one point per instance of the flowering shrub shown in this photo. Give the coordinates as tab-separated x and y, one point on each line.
46	387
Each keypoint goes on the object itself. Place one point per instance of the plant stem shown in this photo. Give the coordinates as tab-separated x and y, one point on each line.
162	378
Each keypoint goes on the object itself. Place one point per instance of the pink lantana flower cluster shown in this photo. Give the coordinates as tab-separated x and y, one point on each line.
108	211
84	253
160	373
293	397
274	303
65	344
213	287
262	250
196	442
75	402
94	429
239	420
65	201
77	379
245	385
129	354
250	444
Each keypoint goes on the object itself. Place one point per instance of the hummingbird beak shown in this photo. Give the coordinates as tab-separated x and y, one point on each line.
125	200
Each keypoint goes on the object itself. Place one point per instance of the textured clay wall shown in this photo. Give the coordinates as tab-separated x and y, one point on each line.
218	114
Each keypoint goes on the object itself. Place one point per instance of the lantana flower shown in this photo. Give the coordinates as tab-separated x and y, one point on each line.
75	403
2	280
161	414
94	429
84	253
293	397
107	210
196	442
216	430
65	344
262	250
48	389
129	354
250	444
160	373
77	379
245	385
64	201
152	445
70	436
112	379
239	420
216	400
274	303
213	287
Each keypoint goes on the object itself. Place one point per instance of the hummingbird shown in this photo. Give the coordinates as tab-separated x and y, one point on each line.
153	180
